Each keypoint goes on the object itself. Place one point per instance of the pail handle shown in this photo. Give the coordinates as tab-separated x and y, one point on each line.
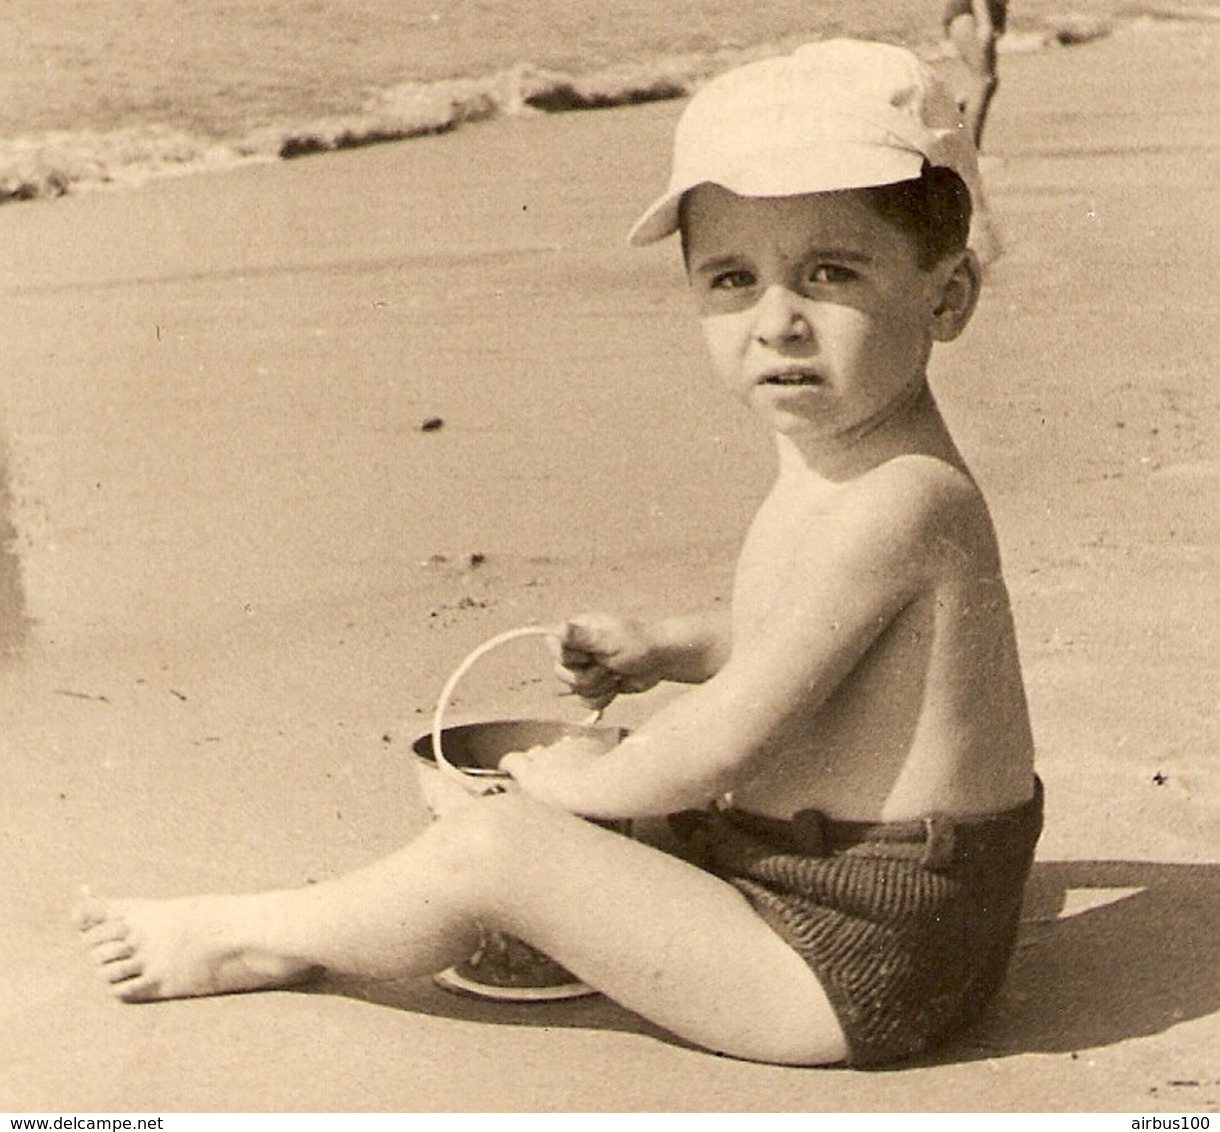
442	703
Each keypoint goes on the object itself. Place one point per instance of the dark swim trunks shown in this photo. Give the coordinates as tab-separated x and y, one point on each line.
908	926
997	8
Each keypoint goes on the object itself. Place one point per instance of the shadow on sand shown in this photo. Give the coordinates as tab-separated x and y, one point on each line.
1108	950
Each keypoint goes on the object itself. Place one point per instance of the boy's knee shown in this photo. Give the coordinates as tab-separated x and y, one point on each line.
484	835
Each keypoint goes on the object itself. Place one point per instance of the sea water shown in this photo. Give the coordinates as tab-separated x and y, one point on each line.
105	91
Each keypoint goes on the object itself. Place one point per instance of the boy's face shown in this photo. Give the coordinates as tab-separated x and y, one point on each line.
815	310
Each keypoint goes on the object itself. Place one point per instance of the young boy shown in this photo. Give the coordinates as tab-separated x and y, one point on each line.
850	775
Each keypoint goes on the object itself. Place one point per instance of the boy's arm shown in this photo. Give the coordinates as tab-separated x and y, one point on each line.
694	647
888	543
601	655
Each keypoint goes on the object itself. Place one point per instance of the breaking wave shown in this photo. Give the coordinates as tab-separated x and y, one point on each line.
54	163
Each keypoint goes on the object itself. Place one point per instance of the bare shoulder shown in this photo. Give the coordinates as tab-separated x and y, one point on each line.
919	487
871	545
917	507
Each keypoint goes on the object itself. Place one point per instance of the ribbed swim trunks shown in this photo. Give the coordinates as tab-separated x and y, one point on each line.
909	926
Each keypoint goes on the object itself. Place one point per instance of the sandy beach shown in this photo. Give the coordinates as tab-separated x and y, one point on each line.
239	567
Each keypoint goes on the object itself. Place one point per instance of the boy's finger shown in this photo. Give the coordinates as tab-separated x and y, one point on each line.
576	658
580	675
581	636
598	703
606	688
591	682
561	645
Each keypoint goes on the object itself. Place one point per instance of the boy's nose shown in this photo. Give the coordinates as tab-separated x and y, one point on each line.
779	319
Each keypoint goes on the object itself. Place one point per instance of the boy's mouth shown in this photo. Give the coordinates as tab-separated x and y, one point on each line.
795	375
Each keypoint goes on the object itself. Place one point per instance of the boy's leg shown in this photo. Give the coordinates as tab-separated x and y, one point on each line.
662	937
665	939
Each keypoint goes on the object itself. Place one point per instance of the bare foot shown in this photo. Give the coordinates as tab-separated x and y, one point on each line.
157	949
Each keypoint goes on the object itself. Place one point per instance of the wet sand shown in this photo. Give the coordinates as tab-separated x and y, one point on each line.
241	570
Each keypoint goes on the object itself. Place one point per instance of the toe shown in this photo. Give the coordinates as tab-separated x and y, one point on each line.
121	970
88	911
106	931
135	989
111	951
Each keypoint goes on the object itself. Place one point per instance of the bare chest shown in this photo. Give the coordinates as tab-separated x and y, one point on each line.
767	566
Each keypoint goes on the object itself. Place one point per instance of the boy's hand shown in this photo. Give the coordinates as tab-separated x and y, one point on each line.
600	655
553	773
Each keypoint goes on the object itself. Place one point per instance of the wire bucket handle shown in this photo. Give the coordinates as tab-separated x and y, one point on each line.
442	703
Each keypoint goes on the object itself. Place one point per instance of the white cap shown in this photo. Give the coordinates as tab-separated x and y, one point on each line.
840	114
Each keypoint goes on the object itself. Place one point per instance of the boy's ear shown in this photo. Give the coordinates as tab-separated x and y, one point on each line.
959	281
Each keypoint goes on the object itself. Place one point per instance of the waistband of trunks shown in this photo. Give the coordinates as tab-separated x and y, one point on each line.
935	839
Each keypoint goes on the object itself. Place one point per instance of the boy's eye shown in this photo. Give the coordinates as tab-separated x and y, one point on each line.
823	273
733	280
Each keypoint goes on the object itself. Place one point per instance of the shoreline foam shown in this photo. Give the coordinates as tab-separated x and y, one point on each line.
52	164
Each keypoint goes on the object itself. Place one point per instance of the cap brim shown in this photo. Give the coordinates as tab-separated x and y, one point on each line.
847	165
660	219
